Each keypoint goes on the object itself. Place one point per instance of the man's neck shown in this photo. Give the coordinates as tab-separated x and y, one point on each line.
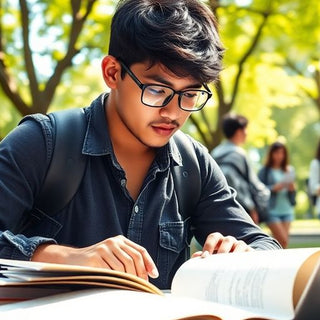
123	140
235	141
134	157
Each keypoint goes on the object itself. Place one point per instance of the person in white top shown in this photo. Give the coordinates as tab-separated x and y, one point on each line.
314	179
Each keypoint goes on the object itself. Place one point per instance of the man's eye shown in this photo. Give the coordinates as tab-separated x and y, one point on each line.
156	90
190	94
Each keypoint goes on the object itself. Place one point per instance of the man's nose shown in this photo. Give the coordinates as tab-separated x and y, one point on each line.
172	109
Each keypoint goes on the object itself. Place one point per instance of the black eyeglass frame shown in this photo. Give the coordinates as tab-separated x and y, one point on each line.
143	86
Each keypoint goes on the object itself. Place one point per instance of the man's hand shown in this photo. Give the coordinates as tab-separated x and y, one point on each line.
217	243
117	253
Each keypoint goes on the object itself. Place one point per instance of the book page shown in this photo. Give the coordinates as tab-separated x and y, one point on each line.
21	274
288	177
260	281
120	304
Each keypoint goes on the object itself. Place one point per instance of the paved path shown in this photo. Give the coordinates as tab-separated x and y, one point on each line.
304	232
308	236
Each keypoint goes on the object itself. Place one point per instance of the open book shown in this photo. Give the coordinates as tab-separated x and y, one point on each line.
277	284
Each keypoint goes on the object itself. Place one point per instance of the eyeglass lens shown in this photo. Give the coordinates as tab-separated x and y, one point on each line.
159	96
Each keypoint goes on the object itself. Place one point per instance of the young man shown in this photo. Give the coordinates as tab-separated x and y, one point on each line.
234	164
126	215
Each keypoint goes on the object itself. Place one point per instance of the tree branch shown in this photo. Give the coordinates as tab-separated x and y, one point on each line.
196	124
246	56
76	28
316	77
6	81
10	89
33	81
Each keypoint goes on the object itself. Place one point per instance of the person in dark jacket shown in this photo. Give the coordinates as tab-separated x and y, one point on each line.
237	168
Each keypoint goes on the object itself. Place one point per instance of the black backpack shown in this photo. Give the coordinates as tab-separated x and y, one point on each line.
67	165
312	197
259	195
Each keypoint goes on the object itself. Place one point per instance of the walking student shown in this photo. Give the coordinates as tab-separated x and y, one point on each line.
279	176
236	167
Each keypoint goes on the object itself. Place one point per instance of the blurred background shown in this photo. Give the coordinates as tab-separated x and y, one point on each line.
50	54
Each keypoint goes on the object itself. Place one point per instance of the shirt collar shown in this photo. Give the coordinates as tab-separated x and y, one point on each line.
174	152
97	140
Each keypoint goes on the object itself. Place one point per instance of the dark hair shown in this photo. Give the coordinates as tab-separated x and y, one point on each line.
232	122
318	151
273	148
182	35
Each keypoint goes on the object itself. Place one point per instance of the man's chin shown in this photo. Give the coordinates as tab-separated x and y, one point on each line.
157	142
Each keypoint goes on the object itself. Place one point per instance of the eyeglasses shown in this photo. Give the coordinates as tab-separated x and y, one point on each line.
158	96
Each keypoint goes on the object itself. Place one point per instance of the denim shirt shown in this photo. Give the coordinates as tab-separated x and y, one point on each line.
102	206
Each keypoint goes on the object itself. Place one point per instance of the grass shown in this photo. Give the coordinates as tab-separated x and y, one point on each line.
304	244
302	226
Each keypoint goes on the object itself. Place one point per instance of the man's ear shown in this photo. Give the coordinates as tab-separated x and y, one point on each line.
111	71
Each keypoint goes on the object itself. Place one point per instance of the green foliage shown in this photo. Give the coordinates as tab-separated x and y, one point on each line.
9	117
49	29
74	92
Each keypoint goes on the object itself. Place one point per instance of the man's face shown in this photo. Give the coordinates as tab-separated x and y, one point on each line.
151	126
243	135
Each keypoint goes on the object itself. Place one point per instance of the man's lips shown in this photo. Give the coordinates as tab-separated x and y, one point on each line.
164	129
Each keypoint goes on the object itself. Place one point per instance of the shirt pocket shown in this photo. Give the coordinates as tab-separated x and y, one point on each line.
173	236
172	252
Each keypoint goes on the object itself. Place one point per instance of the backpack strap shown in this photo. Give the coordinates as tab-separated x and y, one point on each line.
67	165
187	177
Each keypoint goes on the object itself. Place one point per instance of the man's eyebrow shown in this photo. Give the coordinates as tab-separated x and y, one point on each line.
160	79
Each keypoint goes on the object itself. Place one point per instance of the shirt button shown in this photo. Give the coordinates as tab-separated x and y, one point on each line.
136	209
123	182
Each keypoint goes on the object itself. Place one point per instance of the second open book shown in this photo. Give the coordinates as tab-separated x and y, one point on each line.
255	285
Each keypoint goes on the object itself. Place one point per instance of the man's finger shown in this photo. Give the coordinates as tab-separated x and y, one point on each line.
147	261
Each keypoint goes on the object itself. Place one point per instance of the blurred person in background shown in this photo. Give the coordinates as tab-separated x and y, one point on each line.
314	180
279	176
236	167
